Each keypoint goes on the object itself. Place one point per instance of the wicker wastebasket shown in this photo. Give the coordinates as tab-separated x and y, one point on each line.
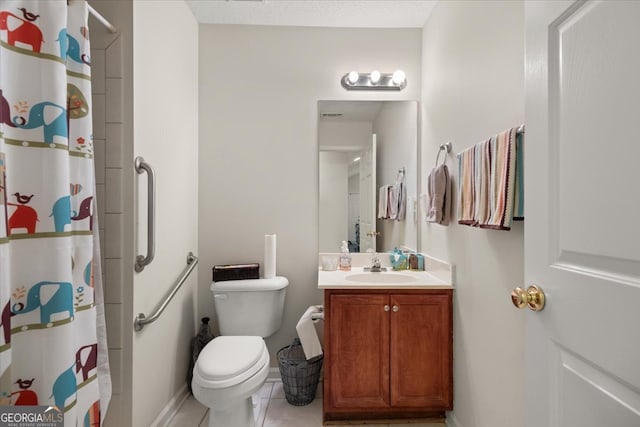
299	376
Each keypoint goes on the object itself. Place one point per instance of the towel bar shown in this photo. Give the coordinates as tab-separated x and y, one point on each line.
447	149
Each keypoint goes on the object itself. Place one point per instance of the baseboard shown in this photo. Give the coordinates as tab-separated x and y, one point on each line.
452	421
274	375
171	408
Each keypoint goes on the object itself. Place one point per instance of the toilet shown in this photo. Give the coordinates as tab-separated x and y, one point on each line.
235	365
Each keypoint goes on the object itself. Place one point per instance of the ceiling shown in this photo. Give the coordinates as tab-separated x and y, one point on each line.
315	13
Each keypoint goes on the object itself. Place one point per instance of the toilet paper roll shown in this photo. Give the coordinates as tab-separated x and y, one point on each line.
269	271
307	332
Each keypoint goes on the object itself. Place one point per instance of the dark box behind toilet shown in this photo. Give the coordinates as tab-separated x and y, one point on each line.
236	272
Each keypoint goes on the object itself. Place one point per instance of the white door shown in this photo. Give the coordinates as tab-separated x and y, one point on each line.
368	197
582	228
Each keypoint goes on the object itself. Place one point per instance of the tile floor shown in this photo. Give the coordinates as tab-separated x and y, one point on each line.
274	412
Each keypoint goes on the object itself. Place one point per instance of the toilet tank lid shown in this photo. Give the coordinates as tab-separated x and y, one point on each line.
274	284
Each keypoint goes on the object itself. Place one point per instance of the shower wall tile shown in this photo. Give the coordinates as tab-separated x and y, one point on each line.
98	72
114	413
113	59
99	155
113	179
108	99
102	248
114	145
102	263
114	101
100	203
113	275
113	316
113	238
99	116
115	364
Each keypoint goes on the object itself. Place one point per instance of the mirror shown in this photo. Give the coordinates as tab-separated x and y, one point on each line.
363	146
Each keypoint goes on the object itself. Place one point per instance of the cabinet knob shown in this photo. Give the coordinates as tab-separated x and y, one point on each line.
386	307
395	308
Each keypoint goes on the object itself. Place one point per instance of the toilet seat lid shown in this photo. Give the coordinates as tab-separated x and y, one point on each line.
228	360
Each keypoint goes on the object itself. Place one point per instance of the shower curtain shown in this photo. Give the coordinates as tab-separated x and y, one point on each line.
52	341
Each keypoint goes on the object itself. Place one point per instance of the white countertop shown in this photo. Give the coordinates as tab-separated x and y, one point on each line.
356	279
439	275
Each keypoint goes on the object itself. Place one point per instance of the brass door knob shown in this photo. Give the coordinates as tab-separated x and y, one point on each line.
533	297
373	233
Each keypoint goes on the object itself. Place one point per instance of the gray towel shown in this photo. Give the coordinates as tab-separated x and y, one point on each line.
439	187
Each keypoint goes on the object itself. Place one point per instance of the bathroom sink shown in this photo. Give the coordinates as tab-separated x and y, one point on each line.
380	278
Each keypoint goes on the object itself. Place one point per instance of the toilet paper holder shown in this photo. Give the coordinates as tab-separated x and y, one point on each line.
319	315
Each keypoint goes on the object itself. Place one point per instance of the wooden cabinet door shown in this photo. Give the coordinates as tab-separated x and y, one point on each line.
421	359
359	352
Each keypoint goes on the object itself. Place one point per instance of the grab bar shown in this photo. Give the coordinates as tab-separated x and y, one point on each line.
142	320
141	260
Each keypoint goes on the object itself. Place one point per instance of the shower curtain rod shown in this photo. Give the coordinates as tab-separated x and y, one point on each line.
102	19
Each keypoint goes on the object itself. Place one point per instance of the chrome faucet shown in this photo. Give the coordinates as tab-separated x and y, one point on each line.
375	263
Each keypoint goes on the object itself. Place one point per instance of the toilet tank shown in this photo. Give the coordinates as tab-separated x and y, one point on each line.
249	307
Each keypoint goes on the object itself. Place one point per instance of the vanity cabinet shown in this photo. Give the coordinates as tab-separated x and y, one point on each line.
388	354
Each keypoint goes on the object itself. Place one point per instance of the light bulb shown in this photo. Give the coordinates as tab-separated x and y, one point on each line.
375	76
398	77
357	159
353	77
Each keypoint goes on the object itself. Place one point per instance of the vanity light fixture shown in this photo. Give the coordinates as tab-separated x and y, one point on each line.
374	80
374	76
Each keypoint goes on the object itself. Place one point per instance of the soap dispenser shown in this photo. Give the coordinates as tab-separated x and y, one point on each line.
345	258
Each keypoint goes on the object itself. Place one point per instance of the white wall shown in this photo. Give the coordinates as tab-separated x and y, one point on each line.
344	134
473	87
334	197
259	88
396	129
165	102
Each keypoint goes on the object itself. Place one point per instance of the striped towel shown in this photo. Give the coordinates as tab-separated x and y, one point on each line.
502	180
466	187
491	182
483	182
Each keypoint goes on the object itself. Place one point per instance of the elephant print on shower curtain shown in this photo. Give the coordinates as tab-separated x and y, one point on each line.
86	359
50	297
20	31
24	217
64	387
85	211
70	48
5	111
51	117
92	417
61	213
7	314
